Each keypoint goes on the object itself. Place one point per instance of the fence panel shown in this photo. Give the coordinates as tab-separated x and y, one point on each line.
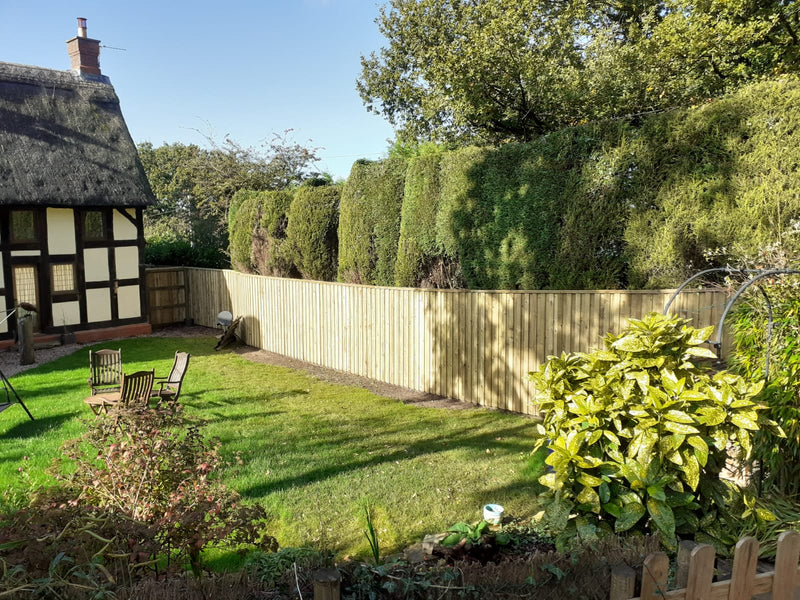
476	346
166	295
782	583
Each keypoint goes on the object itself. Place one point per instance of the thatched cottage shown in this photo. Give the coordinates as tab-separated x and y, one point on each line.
72	192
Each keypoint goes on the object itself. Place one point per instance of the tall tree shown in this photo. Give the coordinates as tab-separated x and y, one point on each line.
498	70
194	187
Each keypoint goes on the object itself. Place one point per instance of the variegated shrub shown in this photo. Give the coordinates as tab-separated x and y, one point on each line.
638	432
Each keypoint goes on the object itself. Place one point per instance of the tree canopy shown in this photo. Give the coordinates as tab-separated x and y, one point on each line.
488	71
194	187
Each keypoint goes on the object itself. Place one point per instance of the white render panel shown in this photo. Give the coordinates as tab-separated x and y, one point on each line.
95	264
2	279
124	229
98	305
4	326
26	252
127	262
66	313
128	300
60	231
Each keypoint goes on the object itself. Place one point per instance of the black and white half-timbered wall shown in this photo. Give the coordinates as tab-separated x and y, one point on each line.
72	194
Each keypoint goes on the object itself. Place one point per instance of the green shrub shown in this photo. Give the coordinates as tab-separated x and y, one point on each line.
618	204
270	251
242	220
311	234
639	432
417	245
175	251
777	457
369	226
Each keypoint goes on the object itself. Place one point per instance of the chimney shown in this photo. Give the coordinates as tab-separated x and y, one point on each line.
84	52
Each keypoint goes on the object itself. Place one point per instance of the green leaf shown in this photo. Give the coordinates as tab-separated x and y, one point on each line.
743	421
629	343
604	492
711	415
700	448
589	497
691	470
589	480
702	352
679	416
680	428
662	516
656	492
612	509
630	515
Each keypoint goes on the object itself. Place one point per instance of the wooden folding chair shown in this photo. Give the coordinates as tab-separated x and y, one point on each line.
169	387
135	390
105	370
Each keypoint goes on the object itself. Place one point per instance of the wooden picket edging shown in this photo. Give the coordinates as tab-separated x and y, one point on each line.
472	345
698	573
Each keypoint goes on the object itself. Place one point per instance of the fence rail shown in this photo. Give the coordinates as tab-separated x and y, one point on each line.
697	573
475	346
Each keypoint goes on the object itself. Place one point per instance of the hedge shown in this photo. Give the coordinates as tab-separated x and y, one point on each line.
635	203
311	234
369	226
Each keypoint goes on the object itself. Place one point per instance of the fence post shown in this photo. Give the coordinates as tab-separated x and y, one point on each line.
745	560
682	569
786	566
654	576
326	584
623	583
701	572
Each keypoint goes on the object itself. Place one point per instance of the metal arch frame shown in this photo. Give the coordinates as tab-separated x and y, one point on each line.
758	274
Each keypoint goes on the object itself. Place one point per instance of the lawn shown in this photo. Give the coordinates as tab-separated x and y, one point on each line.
314	452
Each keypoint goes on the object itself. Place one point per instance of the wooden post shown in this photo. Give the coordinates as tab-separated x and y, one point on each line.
745	560
783	585
326	584
654	576
701	572
682	569
623	583
26	341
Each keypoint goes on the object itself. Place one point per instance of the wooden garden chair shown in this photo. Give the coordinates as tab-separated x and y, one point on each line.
135	390
105	370
169	388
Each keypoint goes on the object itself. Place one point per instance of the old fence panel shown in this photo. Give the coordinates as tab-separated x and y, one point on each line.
167	295
476	346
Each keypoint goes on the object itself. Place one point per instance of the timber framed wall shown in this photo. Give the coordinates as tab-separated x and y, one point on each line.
475	346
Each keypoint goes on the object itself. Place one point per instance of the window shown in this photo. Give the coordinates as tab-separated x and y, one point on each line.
63	278
93	227
22	226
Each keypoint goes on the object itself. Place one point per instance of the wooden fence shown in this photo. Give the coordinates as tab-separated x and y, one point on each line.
695	574
475	346
167	295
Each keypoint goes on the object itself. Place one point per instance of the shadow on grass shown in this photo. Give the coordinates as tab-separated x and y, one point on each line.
28	428
433	444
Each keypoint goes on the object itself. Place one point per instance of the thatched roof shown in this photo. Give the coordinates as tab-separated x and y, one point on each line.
64	142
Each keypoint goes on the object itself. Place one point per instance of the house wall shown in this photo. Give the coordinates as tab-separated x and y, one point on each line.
82	267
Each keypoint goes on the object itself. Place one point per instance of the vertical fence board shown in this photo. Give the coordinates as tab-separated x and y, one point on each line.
477	346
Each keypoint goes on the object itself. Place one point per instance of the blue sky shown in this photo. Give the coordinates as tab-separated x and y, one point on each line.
244	68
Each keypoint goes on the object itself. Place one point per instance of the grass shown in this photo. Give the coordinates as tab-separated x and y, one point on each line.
315	453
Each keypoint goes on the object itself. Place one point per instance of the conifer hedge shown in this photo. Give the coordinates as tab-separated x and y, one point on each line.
369	226
312	232
620	204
